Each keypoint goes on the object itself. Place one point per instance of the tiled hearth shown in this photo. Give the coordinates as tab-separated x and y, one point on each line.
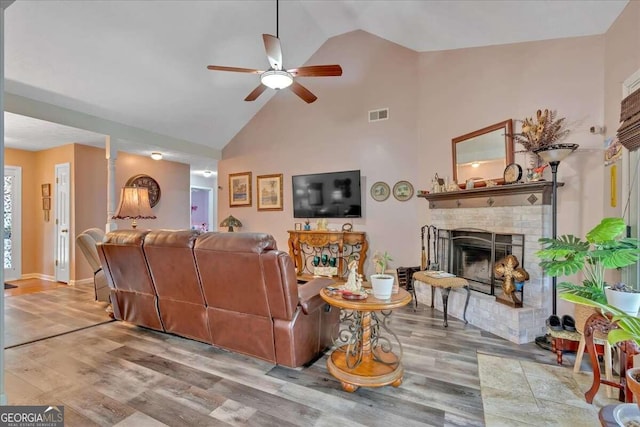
519	216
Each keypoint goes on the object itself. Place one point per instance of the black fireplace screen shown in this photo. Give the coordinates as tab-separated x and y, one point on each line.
472	253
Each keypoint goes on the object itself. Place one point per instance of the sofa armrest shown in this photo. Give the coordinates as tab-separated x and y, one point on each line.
309	294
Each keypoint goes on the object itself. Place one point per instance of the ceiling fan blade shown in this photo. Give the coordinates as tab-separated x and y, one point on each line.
234	69
317	71
256	93
274	51
302	92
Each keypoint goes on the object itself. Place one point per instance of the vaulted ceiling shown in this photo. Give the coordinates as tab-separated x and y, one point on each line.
143	63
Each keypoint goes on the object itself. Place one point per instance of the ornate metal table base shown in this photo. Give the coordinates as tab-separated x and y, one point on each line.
366	359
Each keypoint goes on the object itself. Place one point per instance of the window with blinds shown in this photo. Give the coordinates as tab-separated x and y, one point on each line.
629	131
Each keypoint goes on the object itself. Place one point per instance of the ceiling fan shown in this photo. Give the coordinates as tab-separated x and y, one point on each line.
278	77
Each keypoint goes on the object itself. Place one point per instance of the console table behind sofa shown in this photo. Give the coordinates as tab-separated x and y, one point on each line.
342	245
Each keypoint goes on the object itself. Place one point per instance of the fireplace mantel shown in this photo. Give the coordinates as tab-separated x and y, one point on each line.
521	194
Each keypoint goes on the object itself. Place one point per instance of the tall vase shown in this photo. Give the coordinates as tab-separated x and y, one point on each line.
532	161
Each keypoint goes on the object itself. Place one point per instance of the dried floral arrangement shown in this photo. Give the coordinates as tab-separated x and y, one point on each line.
546	129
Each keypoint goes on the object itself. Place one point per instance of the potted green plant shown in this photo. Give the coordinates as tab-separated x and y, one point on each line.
629	330
603	249
381	283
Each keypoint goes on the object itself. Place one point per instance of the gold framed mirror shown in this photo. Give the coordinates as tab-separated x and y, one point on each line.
483	154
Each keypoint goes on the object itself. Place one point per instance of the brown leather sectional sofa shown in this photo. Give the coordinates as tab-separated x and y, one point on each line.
233	290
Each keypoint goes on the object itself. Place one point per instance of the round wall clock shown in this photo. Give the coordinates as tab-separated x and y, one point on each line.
148	182
512	173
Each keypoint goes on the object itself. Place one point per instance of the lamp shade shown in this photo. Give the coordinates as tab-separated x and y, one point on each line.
555	152
134	204
230	222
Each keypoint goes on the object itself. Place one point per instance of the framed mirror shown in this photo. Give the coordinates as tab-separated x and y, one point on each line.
483	154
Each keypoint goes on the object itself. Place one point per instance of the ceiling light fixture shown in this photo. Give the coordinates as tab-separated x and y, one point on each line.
475	165
156	156
207	173
276	79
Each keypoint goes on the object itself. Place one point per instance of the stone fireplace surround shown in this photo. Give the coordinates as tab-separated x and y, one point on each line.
510	209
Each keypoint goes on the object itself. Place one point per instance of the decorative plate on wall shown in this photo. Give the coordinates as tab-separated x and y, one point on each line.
380	191
149	183
403	190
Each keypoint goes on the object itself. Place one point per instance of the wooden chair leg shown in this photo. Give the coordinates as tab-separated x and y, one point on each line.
608	372
579	354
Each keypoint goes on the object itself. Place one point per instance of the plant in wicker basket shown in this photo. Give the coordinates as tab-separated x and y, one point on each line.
546	129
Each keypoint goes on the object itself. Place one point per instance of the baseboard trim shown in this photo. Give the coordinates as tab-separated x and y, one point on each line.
38	276
81	282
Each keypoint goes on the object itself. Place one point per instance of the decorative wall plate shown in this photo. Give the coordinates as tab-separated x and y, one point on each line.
403	190
149	183
380	191
512	173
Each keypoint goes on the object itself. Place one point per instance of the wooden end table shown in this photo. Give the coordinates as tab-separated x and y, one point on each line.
366	358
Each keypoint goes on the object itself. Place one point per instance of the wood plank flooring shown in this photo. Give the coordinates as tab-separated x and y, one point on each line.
38	309
119	374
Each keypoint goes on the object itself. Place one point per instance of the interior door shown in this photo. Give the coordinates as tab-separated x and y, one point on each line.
12	222
62	208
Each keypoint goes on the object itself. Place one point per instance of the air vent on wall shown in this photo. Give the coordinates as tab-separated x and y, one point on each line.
377	115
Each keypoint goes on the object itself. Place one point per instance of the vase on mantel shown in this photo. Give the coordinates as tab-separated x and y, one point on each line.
532	161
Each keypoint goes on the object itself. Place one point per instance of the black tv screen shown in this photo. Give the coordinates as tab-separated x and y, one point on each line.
327	195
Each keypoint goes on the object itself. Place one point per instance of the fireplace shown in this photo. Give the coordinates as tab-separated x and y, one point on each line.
484	224
471	253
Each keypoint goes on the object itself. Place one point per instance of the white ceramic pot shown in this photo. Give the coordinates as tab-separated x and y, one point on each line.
382	285
626	301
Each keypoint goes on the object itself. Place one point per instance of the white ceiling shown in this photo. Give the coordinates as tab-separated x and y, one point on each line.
143	63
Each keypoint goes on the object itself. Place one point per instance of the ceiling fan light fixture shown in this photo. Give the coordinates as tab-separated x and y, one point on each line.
276	79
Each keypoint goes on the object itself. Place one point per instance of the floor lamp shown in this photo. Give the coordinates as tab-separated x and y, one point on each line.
554	154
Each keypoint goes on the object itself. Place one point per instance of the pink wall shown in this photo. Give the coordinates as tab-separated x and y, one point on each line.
333	134
467	89
433	97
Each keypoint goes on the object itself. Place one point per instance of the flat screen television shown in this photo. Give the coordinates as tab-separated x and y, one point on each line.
327	195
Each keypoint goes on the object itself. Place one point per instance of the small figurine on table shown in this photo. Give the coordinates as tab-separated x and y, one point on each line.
353	284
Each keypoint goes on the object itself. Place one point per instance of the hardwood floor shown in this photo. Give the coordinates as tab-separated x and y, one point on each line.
30	286
37	309
119	374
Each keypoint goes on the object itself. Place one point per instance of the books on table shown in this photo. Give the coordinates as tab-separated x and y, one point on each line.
438	274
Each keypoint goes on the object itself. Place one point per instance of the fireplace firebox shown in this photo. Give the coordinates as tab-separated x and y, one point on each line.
472	253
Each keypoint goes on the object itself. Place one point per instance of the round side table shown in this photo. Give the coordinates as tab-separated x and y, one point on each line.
366	358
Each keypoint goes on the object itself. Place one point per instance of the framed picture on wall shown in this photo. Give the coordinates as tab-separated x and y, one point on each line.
46	190
240	189
270	192
46	203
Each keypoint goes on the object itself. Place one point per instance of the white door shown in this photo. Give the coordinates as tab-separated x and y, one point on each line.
12	222
62	208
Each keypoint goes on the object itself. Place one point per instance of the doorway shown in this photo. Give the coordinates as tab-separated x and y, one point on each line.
62	208
12	222
202	209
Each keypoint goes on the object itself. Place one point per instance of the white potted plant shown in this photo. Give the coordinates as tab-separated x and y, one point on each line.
603	249
381	282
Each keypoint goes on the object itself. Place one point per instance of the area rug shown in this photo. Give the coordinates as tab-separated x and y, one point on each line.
9	286
51	312
519	393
